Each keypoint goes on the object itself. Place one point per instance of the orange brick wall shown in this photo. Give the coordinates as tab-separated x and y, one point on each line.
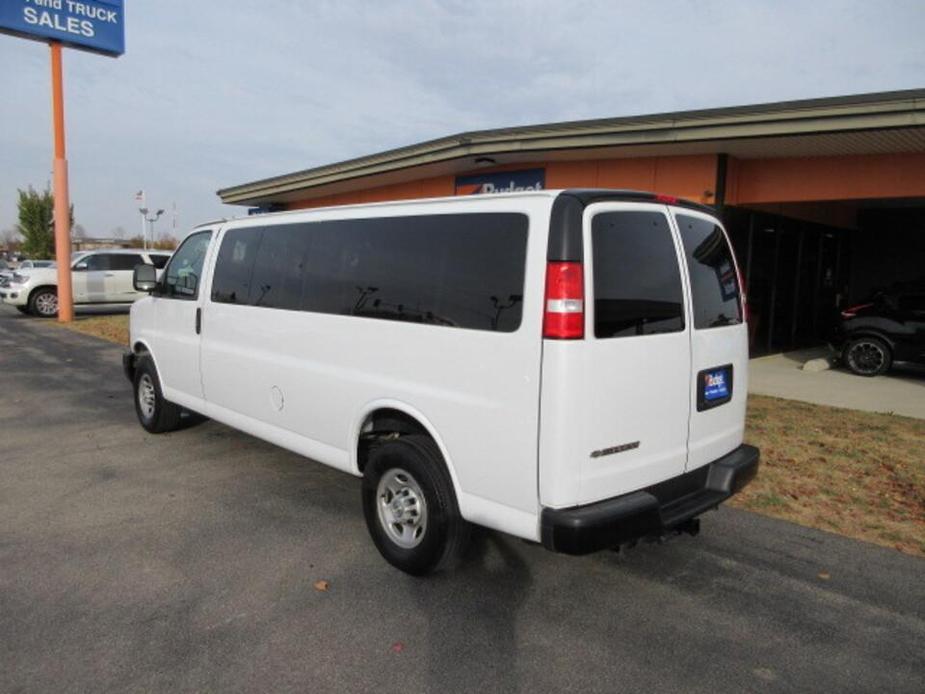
424	188
689	177
749	181
800	179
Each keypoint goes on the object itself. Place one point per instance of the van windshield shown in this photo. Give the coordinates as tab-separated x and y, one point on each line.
714	282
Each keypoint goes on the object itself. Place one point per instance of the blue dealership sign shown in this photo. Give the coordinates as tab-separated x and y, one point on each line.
501	182
91	25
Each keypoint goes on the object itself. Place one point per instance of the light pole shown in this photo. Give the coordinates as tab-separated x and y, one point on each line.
150	220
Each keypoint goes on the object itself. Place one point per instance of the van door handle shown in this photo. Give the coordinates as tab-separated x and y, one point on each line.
109	274
198	320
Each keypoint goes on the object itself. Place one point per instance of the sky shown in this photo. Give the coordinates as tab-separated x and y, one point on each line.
216	93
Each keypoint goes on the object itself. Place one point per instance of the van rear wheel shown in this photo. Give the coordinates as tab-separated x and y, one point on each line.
410	507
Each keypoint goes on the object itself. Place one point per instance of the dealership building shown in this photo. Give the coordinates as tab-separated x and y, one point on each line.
824	199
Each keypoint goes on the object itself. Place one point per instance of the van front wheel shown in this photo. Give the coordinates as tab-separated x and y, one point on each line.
410	508
155	413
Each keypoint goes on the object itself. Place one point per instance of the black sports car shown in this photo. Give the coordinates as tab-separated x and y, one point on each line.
890	327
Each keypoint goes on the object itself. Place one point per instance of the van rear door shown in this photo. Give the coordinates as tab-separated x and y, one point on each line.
616	404
719	339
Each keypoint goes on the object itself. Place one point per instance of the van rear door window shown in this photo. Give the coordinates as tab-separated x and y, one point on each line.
637	281
714	283
453	270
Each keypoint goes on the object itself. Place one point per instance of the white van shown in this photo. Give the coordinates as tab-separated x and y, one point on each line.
565	366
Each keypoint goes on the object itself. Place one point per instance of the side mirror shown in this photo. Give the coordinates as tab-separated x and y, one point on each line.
81	266
144	278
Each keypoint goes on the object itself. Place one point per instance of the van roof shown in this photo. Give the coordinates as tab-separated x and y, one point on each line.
585	195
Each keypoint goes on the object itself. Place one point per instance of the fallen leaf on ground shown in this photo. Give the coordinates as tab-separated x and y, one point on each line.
824	575
398	647
320	585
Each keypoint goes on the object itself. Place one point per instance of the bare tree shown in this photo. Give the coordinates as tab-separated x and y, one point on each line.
9	237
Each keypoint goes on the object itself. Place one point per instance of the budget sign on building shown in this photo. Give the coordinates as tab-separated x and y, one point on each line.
503	182
91	25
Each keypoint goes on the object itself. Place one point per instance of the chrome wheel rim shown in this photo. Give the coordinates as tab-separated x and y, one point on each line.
402	508
147	396
46	304
866	357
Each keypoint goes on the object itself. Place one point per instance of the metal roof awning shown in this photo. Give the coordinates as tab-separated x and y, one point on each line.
864	124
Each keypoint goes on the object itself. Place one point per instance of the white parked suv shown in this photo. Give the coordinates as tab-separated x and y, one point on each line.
97	277
568	367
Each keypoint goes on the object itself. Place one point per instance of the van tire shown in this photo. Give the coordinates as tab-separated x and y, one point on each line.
155	413
415	464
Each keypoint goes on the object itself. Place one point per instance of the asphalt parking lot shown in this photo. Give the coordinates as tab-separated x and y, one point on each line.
130	562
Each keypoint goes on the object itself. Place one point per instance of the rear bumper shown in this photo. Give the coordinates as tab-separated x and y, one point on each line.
652	511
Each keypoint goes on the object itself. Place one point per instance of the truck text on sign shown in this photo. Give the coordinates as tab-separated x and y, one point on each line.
92	25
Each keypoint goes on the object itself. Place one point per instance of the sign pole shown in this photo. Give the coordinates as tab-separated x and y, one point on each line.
62	200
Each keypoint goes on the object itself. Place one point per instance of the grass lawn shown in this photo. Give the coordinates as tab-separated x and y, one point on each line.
849	472
855	473
113	328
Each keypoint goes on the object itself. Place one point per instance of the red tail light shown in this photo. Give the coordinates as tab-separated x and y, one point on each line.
852	311
667	199
564	317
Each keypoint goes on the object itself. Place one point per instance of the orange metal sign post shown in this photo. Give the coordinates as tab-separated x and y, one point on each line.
97	26
62	200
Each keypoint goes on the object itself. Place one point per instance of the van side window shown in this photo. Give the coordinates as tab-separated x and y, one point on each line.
231	281
637	282
184	271
454	270
714	284
279	268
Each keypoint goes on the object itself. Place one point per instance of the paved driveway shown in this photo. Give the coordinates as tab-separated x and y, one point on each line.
899	391
130	562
